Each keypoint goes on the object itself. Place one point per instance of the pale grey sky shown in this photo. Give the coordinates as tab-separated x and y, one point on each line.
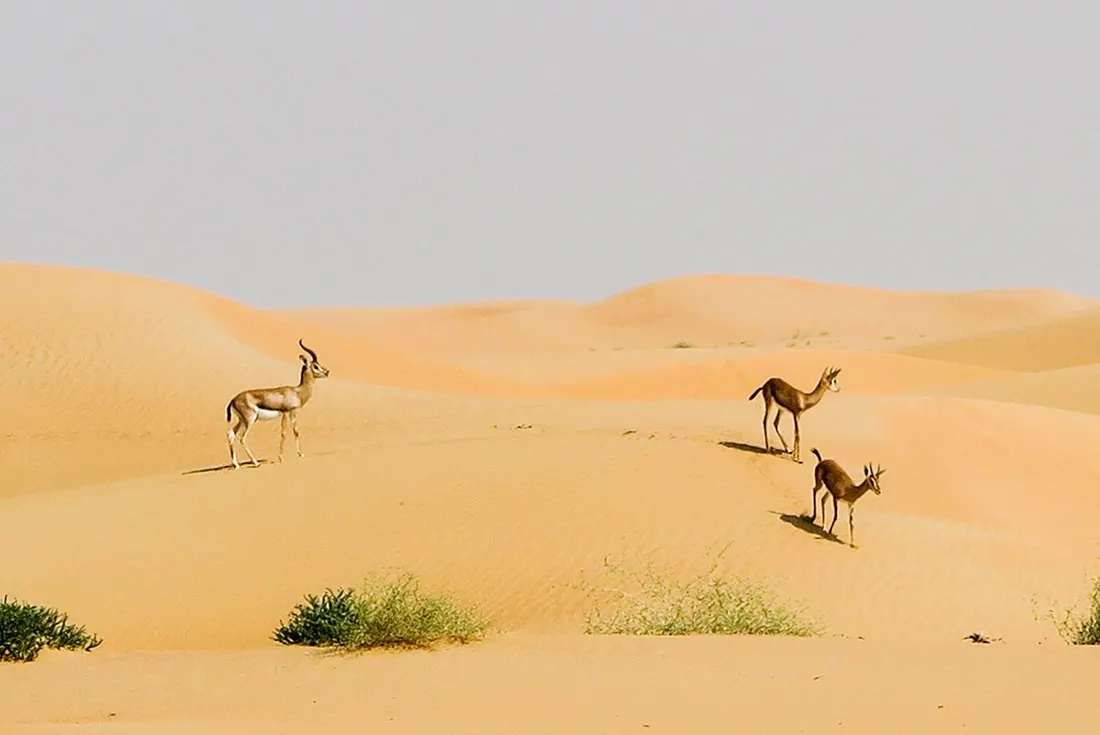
407	151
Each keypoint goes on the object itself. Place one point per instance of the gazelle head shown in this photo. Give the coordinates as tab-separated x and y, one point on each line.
828	378
316	369
872	474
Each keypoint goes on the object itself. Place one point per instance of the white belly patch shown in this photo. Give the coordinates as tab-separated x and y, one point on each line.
266	414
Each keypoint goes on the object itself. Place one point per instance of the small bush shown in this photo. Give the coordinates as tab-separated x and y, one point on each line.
683	345
391	614
1082	630
706	605
26	629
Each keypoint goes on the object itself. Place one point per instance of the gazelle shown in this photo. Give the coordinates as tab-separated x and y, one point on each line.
264	404
840	486
786	397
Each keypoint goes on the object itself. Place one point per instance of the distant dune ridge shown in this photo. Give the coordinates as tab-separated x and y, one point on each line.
503	450
708	310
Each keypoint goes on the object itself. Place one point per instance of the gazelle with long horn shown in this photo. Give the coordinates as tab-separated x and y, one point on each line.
264	404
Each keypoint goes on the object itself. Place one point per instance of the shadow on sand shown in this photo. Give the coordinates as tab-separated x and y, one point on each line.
756	449
803	523
247	464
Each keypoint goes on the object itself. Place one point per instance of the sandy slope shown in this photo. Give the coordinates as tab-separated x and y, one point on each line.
1059	342
734	374
504	464
538	684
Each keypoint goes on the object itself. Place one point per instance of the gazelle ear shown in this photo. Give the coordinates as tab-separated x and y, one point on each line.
867	470
304	359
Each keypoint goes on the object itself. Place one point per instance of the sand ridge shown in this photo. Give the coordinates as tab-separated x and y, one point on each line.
710	311
503	451
1065	341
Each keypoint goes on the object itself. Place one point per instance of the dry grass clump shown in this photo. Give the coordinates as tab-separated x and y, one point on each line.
380	614
651	602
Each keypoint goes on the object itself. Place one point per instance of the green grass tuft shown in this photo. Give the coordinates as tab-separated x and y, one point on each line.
26	629
380	614
650	603
1081	630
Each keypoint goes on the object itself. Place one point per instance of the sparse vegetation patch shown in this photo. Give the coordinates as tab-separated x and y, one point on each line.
1081	629
380	614
650	602
26	629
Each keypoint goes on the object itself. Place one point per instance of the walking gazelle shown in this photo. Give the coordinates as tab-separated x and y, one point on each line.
841	487
785	397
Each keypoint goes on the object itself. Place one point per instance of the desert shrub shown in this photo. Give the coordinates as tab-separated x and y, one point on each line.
1082	630
26	629
651	602
380	613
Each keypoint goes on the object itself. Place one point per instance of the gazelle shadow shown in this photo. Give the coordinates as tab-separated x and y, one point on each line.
220	468
803	523
755	449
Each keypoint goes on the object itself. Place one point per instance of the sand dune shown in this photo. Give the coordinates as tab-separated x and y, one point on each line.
1060	342
736	376
709	311
543	685
515	535
1071	389
721	373
502	452
142	370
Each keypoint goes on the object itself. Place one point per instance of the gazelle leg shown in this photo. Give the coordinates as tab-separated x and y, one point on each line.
834	517
232	436
243	436
297	437
851	526
282	436
797	440
778	415
813	504
767	410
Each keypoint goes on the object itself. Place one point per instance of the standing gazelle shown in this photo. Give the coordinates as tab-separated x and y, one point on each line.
785	396
840	487
264	404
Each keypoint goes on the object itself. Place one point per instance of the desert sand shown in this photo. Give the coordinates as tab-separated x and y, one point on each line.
501	451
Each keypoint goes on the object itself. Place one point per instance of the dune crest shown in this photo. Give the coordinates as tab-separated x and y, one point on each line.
707	310
1059	342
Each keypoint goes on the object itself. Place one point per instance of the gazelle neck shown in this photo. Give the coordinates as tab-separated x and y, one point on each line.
861	489
305	384
812	399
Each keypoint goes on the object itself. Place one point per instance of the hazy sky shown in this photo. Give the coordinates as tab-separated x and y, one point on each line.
407	151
